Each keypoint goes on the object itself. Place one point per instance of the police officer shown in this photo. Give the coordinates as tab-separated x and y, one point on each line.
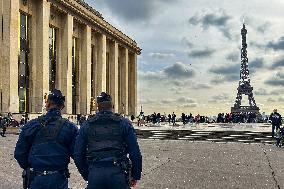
276	121
102	146
45	146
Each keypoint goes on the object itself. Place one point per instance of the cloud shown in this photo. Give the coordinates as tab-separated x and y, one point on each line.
166	101
277	92
204	53
221	98
150	75
256	64
226	69
224	78
218	20
188	105
278	63
147	101
277	80
178	83
185	41
270	100
161	56
185	100
281	99
234	56
225	73
276	45
272	82
177	71
263	27
261	92
231	72
134	10
256	44
182	102
200	86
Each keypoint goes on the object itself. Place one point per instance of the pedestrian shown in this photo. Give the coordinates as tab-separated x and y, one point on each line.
140	119
174	118
102	148
82	120
276	121
22	121
78	119
183	117
132	118
3	126
45	146
26	117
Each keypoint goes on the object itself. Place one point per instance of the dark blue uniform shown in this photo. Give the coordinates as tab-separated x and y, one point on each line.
46	149
94	154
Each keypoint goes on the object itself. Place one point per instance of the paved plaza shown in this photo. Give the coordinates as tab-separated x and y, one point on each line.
217	132
182	164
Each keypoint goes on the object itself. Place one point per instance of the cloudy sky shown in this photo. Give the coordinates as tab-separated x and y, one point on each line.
190	60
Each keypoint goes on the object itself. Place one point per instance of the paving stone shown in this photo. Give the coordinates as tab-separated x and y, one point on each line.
200	134
156	137
239	135
214	139
192	136
260	138
246	140
229	137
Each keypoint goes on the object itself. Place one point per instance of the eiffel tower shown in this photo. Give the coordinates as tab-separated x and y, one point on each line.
245	87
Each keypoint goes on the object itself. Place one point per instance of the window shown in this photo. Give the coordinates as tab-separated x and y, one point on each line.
23	66
52	58
75	76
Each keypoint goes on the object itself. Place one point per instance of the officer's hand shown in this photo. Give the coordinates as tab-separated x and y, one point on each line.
133	183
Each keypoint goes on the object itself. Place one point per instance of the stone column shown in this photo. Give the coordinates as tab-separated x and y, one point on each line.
66	62
101	64
114	74
94	60
124	80
132	84
1	68
10	44
85	75
42	58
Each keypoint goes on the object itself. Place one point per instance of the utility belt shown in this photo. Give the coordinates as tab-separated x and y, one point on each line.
29	174
65	173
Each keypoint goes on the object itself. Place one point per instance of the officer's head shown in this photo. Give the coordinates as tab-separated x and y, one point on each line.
55	100
104	102
275	110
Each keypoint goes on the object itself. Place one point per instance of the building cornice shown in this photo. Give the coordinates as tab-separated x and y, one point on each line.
91	9
92	16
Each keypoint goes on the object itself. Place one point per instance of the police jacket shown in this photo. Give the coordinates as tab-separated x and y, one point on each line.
46	143
275	118
114	135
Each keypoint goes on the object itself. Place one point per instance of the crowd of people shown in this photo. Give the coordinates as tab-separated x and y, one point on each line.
9	121
157	118
240	118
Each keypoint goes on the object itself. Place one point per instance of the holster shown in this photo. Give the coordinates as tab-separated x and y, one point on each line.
28	177
126	166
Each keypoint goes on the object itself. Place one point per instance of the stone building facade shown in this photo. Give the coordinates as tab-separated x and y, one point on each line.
64	44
